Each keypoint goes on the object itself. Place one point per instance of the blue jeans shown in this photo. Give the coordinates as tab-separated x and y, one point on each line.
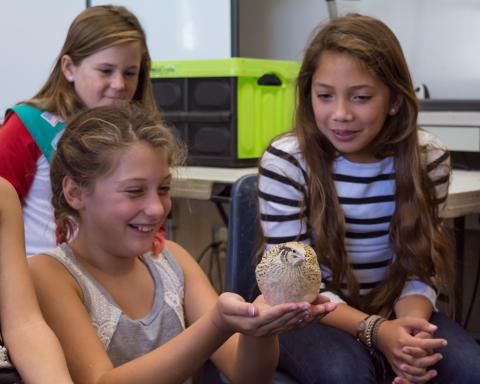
326	355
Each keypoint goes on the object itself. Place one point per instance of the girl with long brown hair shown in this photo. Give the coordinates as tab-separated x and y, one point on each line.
104	61
359	180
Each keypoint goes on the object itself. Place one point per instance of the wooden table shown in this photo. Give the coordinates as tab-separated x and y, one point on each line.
463	194
200	182
463	199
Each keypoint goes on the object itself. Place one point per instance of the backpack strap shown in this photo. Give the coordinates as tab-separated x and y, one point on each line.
45	127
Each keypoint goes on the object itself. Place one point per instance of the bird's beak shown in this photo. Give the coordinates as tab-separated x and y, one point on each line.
298	261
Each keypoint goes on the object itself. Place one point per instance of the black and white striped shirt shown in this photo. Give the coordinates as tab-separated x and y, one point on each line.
366	195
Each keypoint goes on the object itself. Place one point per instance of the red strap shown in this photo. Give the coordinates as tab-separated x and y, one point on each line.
18	155
159	240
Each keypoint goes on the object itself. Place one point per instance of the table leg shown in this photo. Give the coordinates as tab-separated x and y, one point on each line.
459	228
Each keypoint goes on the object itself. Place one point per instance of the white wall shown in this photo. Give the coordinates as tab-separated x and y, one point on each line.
278	29
440	38
183	29
31	35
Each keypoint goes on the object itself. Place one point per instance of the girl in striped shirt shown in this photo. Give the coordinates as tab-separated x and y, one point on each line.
359	180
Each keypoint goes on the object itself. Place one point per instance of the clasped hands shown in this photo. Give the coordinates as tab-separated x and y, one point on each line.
409	345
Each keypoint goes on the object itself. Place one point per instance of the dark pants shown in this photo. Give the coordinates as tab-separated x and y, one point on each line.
326	355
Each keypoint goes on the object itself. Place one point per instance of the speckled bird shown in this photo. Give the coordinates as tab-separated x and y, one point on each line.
289	272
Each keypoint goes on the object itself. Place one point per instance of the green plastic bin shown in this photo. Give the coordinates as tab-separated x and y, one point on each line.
228	110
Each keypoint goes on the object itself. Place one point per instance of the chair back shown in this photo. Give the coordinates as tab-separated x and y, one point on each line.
242	238
241	246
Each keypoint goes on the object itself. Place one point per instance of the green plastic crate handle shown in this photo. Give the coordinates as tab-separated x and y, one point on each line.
269	79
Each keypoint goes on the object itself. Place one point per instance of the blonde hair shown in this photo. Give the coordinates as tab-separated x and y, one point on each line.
91	145
93	30
419	239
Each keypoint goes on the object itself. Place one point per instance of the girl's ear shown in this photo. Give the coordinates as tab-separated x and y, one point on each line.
73	193
395	105
68	68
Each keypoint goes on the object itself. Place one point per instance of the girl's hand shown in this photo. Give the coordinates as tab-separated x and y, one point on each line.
320	307
234	314
420	357
410	356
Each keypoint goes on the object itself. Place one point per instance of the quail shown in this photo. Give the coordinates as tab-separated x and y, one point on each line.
289	272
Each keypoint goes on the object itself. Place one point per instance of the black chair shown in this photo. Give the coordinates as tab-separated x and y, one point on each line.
9	376
241	246
239	270
242	238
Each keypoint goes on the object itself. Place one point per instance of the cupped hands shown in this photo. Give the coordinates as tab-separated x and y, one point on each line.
234	314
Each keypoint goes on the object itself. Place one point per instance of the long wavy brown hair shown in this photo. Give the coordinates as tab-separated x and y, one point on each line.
422	245
93	30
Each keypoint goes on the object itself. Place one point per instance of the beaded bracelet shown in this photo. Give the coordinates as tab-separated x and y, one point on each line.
372	320
376	326
369	328
364	329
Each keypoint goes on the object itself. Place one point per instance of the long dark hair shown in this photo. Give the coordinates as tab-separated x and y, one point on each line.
422	246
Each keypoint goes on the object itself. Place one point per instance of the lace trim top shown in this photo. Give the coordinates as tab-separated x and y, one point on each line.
123	338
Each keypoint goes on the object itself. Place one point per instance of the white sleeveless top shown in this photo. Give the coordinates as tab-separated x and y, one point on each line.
38	217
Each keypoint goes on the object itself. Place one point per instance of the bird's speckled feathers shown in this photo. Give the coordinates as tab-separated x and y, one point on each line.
289	272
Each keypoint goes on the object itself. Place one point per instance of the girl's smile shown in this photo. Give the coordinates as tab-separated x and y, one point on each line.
128	205
142	228
343	135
